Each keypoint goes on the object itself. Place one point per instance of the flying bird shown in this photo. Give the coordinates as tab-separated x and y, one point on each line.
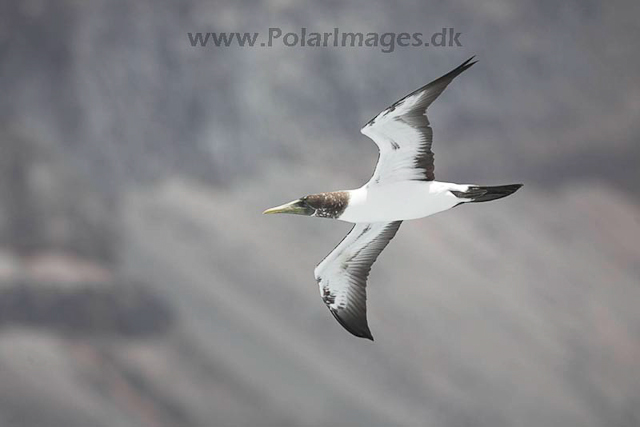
402	187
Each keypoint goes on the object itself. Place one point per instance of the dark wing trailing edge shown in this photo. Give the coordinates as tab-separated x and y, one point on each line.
342	275
404	136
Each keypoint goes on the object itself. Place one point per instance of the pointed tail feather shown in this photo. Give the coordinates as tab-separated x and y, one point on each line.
476	194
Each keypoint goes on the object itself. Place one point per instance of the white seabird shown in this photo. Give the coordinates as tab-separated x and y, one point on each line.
402	187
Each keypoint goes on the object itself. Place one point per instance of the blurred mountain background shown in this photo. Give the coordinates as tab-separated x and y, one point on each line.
141	286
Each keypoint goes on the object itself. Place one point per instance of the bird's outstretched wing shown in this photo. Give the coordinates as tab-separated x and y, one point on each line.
403	134
342	275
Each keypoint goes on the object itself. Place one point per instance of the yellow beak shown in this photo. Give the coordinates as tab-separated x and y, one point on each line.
289	208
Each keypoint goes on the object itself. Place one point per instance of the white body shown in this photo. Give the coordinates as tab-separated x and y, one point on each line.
400	201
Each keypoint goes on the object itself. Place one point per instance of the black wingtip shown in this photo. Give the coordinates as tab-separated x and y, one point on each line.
467	64
360	332
366	335
441	83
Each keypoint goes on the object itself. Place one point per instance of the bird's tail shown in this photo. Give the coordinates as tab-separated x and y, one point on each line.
477	193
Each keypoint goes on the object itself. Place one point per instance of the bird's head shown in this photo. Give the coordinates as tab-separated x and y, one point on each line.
302	206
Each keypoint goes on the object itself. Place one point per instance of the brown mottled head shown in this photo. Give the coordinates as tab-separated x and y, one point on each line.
323	205
328	205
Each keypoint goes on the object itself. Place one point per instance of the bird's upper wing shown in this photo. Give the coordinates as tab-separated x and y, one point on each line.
403	134
342	275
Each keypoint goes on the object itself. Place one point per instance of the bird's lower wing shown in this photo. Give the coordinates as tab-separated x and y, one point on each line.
342	275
